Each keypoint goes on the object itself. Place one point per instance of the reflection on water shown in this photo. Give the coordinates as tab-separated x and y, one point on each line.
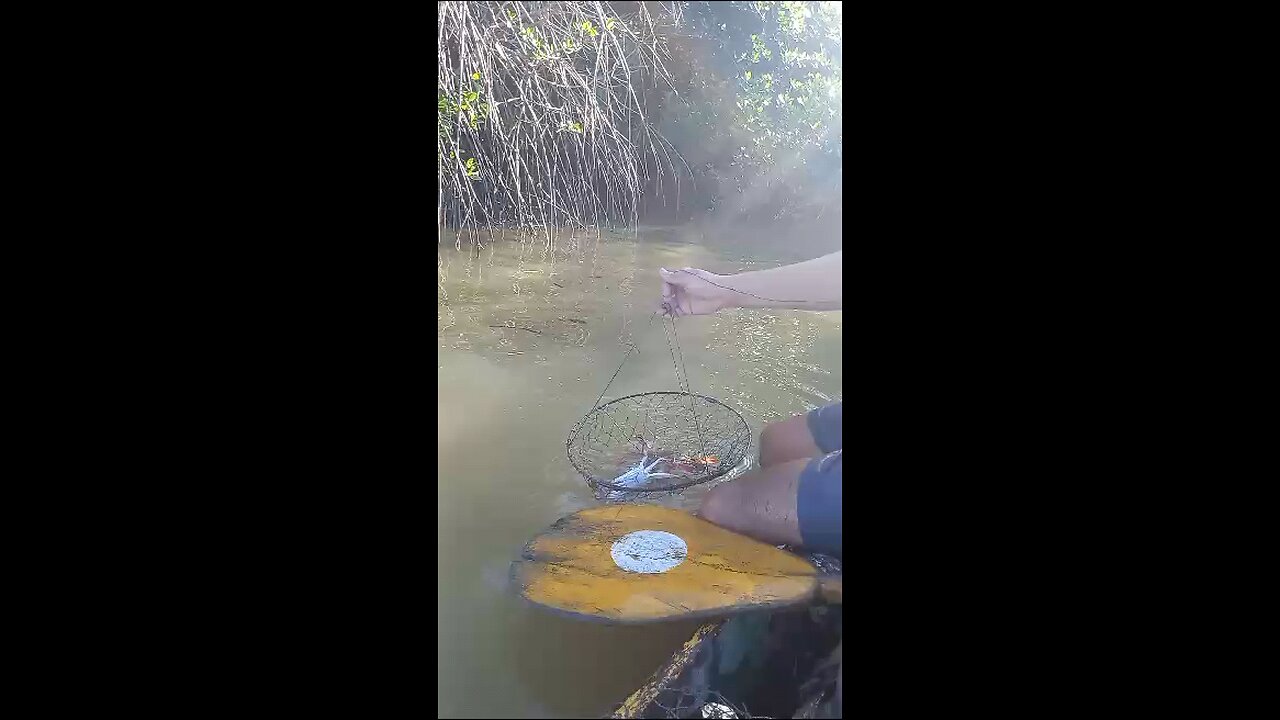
526	341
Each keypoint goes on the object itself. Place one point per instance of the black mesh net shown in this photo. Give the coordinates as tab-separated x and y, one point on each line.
658	442
783	664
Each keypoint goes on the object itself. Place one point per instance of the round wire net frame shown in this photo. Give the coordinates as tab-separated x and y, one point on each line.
699	437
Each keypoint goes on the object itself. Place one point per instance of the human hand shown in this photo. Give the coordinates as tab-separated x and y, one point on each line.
691	292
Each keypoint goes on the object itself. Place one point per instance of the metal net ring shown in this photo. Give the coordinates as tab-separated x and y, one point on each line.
700	437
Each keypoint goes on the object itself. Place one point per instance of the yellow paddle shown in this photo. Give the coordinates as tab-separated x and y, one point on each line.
643	563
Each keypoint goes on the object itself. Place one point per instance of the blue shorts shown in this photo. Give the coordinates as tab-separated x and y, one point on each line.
818	506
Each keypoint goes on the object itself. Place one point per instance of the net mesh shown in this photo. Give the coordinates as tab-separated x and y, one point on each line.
681	438
762	664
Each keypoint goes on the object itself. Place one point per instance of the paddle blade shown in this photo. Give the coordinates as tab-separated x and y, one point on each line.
644	563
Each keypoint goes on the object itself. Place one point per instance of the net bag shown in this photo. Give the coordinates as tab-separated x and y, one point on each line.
657	442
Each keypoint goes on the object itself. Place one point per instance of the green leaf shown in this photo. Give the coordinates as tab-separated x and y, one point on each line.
475	76
747	74
610	23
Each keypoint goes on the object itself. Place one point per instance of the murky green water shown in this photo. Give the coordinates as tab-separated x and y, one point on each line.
527	339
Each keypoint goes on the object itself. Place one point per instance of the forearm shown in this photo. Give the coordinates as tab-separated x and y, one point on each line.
810	285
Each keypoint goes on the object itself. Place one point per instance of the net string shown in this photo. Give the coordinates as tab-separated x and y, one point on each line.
693	414
681	383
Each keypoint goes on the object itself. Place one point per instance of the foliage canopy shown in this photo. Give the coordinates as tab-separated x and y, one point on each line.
590	113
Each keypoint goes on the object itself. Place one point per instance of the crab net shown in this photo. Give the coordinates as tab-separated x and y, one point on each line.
680	438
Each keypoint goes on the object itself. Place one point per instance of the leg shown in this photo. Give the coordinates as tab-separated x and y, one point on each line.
795	503
787	440
761	503
803	436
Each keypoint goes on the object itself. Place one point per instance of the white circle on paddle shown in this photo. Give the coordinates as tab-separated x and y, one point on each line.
649	551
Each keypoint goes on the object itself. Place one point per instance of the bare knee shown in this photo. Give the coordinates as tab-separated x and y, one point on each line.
718	506
786	440
768	439
772	443
761	504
